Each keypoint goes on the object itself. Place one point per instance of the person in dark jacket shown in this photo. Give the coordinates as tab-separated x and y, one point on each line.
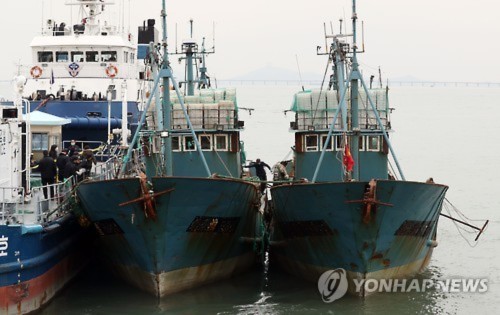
48	171
73	149
72	168
53	152
88	159
33	162
61	162
260	172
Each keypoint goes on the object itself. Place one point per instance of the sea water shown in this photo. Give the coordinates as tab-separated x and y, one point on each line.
450	134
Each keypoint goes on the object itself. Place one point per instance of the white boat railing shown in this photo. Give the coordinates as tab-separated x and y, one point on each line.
112	167
11	198
16	207
106	170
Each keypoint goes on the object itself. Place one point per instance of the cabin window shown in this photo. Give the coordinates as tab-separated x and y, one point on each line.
339	143
205	142
92	56
311	142
62	56
40	141
45	56
361	143
330	144
176	144
108	56
189	144
77	56
125	56
221	142
132	57
373	143
54	140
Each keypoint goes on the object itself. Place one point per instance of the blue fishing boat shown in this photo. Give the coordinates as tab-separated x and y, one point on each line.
172	213
346	207
42	246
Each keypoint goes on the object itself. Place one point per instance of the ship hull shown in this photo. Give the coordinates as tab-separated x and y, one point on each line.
39	263
319	227
199	233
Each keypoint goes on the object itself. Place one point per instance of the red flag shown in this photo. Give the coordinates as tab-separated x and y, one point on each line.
348	160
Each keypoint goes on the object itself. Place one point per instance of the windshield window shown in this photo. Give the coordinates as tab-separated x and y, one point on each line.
62	56
77	56
45	56
92	56
108	56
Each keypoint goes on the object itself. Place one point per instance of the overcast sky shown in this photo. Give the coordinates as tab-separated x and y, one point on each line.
440	40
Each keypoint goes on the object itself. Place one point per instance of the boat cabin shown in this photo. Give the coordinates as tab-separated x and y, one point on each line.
214	116
79	62
314	113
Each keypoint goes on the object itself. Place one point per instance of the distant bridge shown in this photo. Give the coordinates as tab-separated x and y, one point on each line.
391	83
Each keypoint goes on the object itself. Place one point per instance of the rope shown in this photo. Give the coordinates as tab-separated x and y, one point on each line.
257	180
391	169
287	155
459	229
460	213
447	205
218	155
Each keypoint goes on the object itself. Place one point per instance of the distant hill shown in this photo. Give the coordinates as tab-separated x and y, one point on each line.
273	73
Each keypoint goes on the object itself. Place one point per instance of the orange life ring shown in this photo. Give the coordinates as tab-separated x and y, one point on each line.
111	71
36	72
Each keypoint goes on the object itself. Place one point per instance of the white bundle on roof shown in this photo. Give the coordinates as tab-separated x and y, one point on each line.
207	95
230	94
206	92
226	113
195	112
192	99
211	115
318	98
303	100
178	119
329	120
206	99
380	99
331	100
174	99
218	95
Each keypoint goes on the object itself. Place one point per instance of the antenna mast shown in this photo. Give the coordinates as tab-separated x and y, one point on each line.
213	37
300	74
380	77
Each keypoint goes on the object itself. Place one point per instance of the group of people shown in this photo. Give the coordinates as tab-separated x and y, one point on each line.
279	172
70	162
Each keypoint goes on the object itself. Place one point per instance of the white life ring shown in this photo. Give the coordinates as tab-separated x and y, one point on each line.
36	72
111	71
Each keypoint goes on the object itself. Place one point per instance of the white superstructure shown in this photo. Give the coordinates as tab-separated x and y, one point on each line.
81	61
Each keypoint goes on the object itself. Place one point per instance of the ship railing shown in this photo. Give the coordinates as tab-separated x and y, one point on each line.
12	198
106	170
107	151
52	200
35	207
110	169
133	166
102	151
